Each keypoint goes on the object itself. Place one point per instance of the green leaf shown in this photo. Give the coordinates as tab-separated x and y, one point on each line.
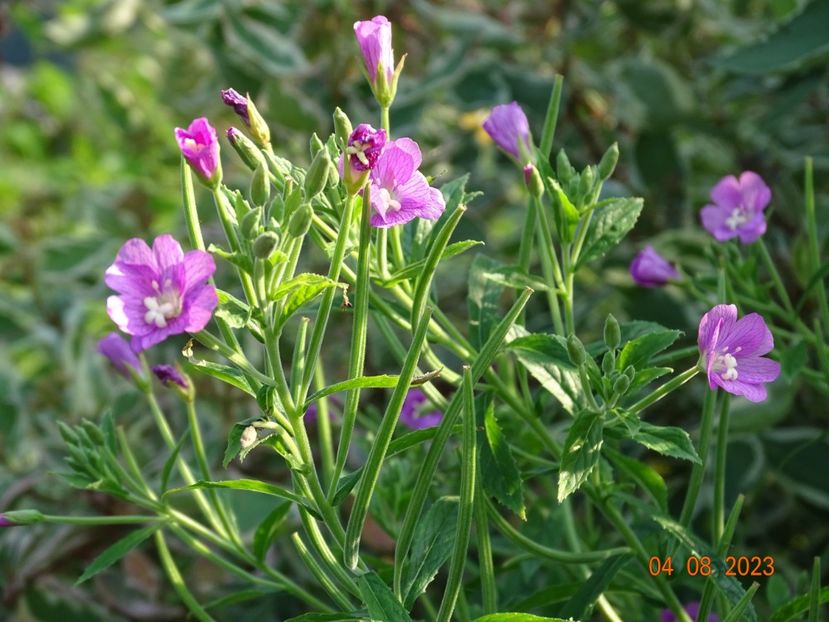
252	485
500	475
431	547
801	39
581	453
239	260
234	312
379	599
566	215
647	375
384	381
666	440
795	608
115	552
228	375
265	47
413	270
326	617
483	298
729	586
545	357
234	442
610	224
549	596
642	474
517	617
580	605
639	351
299	291
268	529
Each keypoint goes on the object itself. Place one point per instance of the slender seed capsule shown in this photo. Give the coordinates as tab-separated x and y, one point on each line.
612	332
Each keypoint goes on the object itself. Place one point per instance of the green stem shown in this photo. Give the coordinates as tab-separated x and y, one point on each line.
212	342
814	250
191	214
487	570
698	470
550	120
720	470
707	599
469	468
359	334
226	219
549	264
326	449
525	248
775	277
569	289
89	521
298	360
371	471
311	563
178	582
673	384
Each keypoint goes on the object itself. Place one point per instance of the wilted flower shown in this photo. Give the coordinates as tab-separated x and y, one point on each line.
163	291
167	375
732	352
119	353
248	437
365	146
650	269
199	145
399	192
5	522
508	126
692	609
239	103
737	209
374	37
412	414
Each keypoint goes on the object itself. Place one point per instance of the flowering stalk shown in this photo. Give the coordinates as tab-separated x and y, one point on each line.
698	469
549	264
718	514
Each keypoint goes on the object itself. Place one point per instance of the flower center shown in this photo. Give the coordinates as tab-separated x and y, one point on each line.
358	150
739	216
389	201
165	306
192	145
725	364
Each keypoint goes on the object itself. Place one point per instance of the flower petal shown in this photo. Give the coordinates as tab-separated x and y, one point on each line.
135	251
727	193
756	194
199	306
756	370
167	252
750	231
750	334
714	219
752	392
718	321
198	267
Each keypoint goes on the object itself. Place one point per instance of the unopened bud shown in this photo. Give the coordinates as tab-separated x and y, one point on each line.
342	127
317	176
575	349
260	186
608	362
608	162
630	372
265	244
586	181
612	332
249	226
301	221
240	205
248	437
333	175
93	432
564	170
532	178
315	144
20	517
621	385
258	128
244	146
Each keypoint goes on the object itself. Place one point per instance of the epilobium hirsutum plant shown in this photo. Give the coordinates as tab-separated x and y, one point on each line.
516	446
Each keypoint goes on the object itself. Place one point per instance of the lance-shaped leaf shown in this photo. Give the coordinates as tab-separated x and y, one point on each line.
500	475
431	547
609	225
581	453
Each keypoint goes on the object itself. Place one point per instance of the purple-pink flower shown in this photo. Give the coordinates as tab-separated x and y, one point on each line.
650	269
120	354
163	291
737	208
374	37
507	125
399	192
237	101
365	146
199	145
732	352
169	375
692	609
413	416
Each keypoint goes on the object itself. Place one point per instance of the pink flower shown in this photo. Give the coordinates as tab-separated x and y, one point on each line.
650	269
119	353
365	146
413	416
732	351
199	145
737	209
507	125
399	192
163	291
374	37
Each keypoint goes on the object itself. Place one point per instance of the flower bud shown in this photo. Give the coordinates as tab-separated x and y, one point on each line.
260	186
621	385
265	244
239	103
342	127
200	147
333	175
249	226
240	205
608	162
317	176
301	220
564	170
20	517
248	437
315	144
93	432
533	180
173	378
612	332
576	350
586	180
608	362
258	128
244	146
630	372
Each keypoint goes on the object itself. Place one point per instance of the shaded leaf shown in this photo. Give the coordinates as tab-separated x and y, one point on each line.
581	453
666	440
482	300
639	351
545	357
380	600
500	475
431	547
580	605
115	552
610	224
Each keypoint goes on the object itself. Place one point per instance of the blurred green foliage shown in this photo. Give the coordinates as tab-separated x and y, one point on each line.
92	89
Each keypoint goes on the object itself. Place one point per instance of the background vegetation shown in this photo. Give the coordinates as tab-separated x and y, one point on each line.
91	91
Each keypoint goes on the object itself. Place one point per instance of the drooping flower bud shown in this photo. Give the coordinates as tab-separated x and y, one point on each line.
239	103
507	125
532	178
199	145
16	518
650	269
173	378
120	354
258	127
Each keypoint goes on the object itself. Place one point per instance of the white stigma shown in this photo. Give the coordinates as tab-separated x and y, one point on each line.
388	201
739	216
162	308
358	149
726	365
